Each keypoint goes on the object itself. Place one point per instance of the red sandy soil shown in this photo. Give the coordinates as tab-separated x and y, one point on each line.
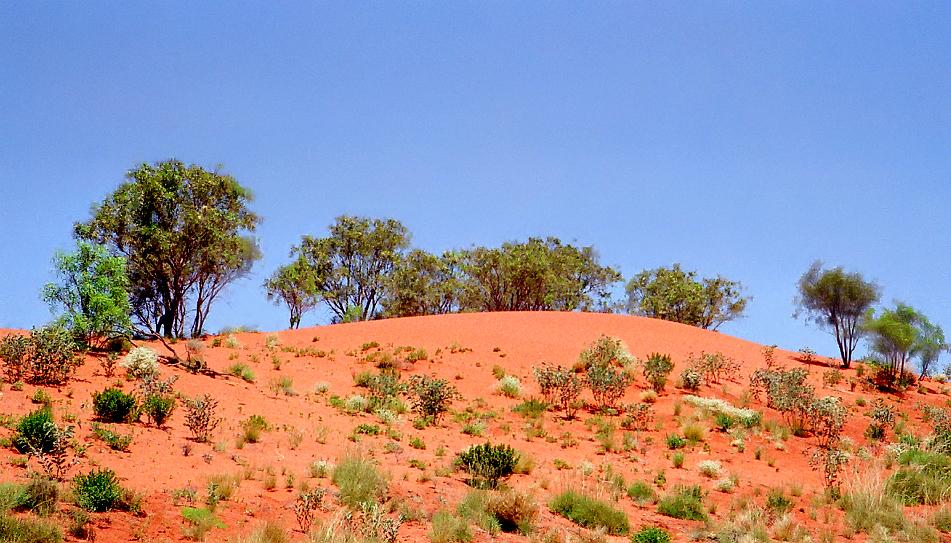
156	466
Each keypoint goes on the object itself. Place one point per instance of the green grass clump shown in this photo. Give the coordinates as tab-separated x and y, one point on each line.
201	521
685	503
115	440
590	513
28	530
925	478
359	481
675	442
642	493
252	427
241	371
448	528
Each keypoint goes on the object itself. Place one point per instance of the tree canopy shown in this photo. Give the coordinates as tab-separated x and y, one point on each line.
353	262
900	334
677	295
185	233
296	285
92	293
537	275
425	284
836	300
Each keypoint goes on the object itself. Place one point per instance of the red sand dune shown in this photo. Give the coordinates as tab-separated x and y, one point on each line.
156	465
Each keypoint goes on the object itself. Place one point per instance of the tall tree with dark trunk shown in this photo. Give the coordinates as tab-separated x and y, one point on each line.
836	300
185	233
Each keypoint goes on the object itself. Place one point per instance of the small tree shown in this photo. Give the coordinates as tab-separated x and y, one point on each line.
296	285
93	293
656	369
14	353
897	335
830	461
677	295
433	397
605	351
836	300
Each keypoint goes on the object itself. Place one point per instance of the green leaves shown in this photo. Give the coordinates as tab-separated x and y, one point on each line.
185	234
676	295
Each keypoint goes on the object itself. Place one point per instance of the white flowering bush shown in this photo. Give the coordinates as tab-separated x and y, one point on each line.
141	363
510	386
710	468
747	417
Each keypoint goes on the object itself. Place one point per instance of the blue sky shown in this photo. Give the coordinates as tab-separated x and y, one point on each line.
741	138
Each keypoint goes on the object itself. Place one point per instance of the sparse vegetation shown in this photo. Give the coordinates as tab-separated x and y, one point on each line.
590	512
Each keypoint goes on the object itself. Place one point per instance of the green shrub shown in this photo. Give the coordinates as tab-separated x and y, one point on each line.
642	493
433	397
656	369
561	387
675	442
33	432
487	463
448	528
114	405
98	491
777	502
359	481
28	530
685	503
724	422
14	354
607	384
158	408
690	379
651	535
678	460
590	513
52	357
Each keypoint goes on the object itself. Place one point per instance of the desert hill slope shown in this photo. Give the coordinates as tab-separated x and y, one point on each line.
303	381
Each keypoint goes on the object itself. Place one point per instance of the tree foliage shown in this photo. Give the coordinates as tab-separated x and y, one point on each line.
295	285
537	275
898	335
677	295
93	293
185	234
425	284
836	300
351	265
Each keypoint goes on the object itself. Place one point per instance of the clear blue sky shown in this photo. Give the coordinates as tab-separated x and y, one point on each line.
742	138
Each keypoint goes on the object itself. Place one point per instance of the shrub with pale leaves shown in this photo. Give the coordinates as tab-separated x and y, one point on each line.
141	363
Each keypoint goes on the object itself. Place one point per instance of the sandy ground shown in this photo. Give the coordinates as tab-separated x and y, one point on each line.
464	349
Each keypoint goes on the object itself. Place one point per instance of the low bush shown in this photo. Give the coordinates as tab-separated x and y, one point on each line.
561	387
33	432
684	503
359	481
675	442
509	386
651	535
432	397
241	371
514	511
141	362
590	513
200	417
158	408
98	491
114	405
690	379
252	427
657	368
488	464
40	495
